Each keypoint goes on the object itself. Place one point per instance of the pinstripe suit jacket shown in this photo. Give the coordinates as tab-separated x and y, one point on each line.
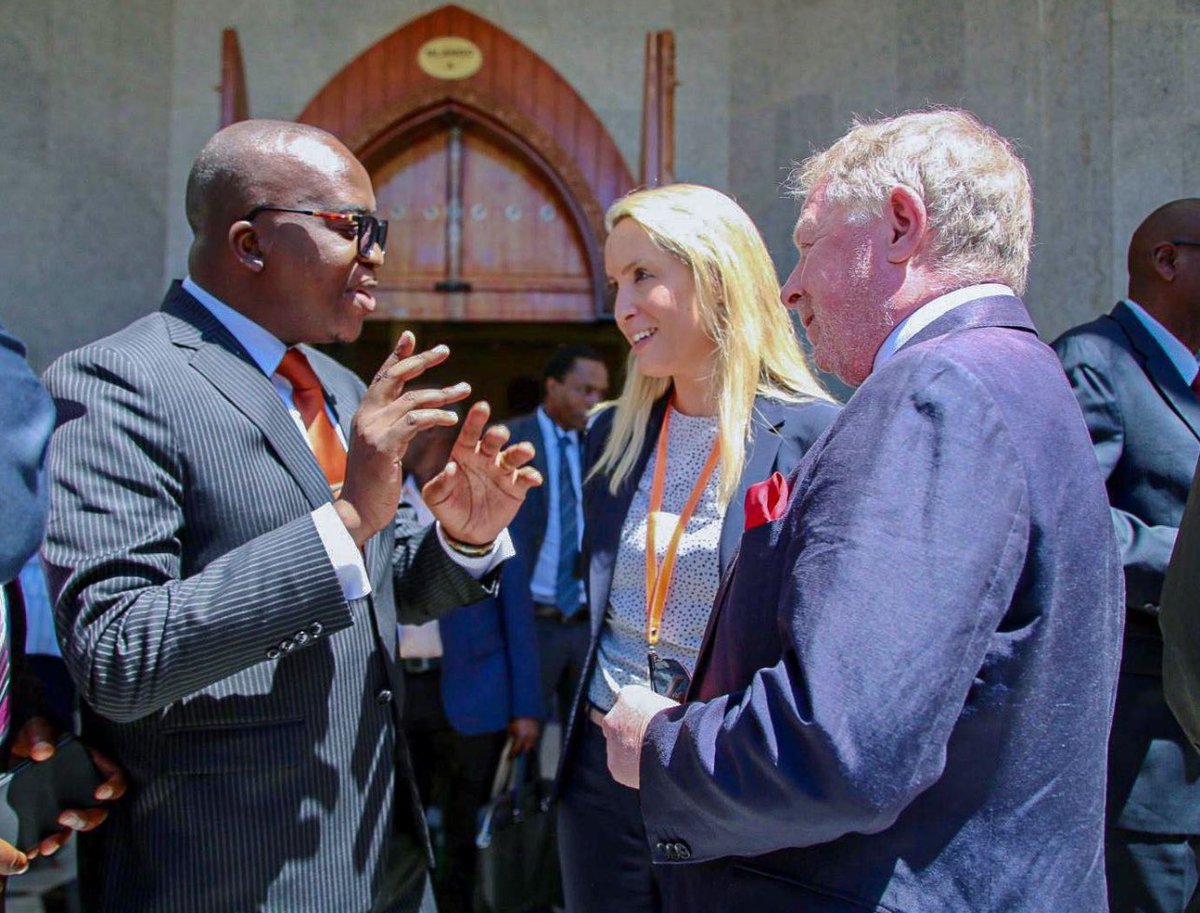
255	710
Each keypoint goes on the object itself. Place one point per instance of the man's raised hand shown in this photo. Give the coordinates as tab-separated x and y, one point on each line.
387	420
484	483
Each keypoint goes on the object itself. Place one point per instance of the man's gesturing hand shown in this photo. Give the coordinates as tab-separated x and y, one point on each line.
479	491
387	420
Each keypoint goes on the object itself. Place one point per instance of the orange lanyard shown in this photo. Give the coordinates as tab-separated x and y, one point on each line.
658	580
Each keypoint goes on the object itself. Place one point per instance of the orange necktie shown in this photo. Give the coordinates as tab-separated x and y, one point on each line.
310	401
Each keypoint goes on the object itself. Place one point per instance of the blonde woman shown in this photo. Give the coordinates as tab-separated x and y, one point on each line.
718	396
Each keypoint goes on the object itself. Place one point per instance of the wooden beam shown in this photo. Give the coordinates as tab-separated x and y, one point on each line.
657	159
235	105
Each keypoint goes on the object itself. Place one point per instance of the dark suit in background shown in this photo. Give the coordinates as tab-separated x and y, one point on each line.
879	716
256	710
1179	619
1144	422
562	639
457	717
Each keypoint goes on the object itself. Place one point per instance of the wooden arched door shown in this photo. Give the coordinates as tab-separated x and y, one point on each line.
495	184
478	230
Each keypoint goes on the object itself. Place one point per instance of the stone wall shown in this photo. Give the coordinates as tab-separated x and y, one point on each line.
83	165
106	103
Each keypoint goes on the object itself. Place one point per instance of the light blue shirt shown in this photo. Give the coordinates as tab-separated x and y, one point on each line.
40	638
544	583
1178	354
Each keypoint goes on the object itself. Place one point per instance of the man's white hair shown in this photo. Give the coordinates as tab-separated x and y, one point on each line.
975	188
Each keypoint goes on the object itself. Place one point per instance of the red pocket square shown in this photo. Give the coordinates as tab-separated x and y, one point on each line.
766	501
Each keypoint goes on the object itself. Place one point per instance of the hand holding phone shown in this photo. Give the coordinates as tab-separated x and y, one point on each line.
36	741
34	793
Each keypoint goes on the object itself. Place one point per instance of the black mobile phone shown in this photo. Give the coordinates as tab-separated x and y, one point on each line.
34	793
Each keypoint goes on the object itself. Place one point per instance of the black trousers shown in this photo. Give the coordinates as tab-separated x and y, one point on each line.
562	651
454	773
601	838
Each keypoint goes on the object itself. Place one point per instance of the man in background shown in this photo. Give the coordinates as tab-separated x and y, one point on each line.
1133	372
548	530
471	684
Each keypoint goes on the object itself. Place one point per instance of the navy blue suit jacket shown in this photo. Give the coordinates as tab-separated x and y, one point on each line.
782	434
904	696
1145	427
26	421
489	658
528	527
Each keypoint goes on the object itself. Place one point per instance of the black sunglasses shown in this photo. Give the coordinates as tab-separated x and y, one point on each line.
371	230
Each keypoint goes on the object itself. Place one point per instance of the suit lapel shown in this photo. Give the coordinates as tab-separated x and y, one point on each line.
766	419
1159	368
222	361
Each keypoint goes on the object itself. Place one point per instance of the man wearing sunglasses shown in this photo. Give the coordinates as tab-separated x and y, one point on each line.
230	561
1134	374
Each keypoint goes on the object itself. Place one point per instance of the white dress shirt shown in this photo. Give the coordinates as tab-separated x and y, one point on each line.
930	311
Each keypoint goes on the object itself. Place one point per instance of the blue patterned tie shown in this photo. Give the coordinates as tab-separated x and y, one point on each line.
567	589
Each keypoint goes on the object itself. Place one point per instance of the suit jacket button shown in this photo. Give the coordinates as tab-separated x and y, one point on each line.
287	645
384	696
301	637
683	851
316	629
274	653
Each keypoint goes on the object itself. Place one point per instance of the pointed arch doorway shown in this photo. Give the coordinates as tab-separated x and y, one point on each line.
495	184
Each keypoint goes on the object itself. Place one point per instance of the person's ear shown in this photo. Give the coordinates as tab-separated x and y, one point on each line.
907	222
1162	259
244	243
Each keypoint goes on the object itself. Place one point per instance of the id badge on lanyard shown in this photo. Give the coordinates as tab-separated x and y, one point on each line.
668	677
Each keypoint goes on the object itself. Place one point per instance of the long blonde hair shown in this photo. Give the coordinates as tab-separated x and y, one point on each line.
737	294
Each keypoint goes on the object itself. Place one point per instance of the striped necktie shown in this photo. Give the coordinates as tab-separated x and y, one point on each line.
310	403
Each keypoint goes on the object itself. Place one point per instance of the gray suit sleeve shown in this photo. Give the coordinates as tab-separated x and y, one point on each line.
138	628
1145	548
428	583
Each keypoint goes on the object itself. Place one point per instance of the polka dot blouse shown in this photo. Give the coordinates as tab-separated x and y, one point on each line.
622	653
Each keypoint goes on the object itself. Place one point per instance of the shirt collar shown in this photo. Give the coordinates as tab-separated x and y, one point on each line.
265	349
1179	355
930	311
551	430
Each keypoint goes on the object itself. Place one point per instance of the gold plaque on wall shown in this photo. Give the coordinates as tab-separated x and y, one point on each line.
450	57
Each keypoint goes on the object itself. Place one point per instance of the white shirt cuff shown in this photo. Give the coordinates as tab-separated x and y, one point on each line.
502	550
343	554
